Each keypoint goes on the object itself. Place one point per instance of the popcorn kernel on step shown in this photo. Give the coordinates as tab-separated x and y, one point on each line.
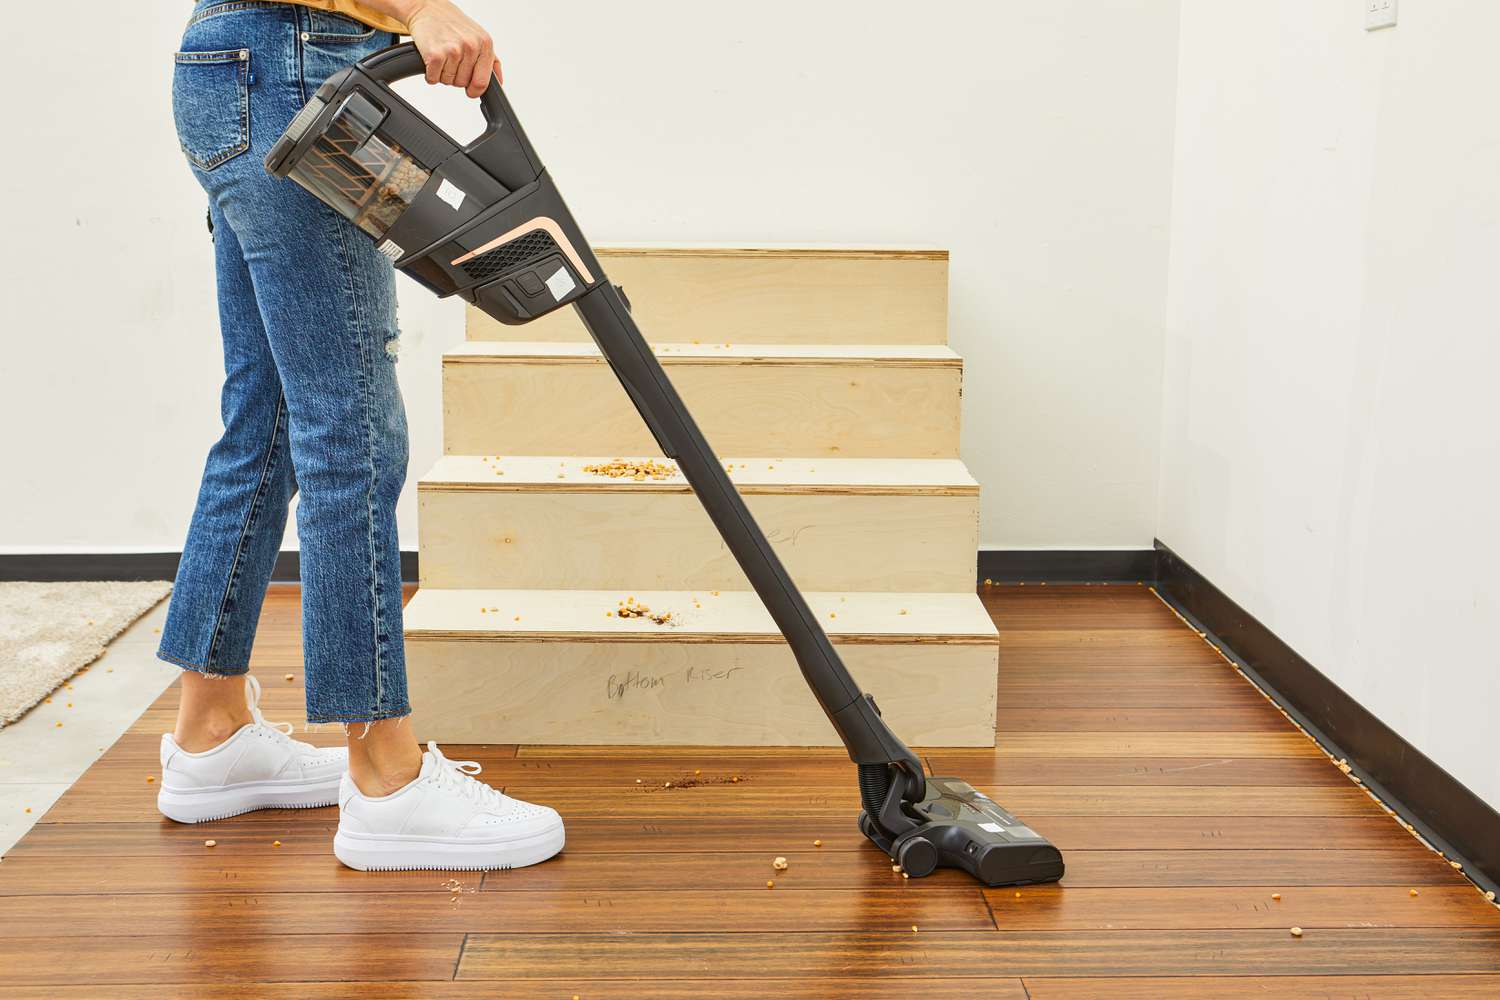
1296	932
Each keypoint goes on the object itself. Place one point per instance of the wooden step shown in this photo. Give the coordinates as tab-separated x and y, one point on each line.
758	295
814	400
837	523
560	667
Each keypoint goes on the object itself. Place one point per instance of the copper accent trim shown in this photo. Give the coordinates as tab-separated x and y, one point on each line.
552	229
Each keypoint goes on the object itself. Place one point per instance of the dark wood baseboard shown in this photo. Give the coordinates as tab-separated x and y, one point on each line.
66	566
1067	565
1450	816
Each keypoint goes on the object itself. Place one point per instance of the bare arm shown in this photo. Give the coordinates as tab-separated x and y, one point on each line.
457	51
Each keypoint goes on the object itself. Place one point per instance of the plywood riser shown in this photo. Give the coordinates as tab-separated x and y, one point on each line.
805	410
664	541
681	693
763	298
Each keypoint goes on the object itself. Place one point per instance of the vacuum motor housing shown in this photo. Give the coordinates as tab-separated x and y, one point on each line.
484	221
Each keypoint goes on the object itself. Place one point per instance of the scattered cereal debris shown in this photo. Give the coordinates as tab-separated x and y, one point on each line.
28	809
150	779
780	864
1490	895
914	928
817	843
290	677
1456	865
902	611
770	884
698	772
896	869
58	726
210	843
1296	932
636	469
630	608
1414	892
1276	896
275	843
906	874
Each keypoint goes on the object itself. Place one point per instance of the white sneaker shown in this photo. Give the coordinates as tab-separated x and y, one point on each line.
259	767
444	819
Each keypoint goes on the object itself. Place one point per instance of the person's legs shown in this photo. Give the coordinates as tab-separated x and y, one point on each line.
238	521
302	293
325	304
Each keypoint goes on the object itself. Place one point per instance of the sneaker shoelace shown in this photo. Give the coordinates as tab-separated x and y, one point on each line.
252	698
458	776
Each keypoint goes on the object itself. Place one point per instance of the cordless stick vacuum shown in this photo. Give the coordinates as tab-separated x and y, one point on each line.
485	222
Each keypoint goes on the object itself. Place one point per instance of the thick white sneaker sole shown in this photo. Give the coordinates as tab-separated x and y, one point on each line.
200	805
368	852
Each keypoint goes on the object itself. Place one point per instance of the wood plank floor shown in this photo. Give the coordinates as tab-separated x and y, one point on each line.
1181	799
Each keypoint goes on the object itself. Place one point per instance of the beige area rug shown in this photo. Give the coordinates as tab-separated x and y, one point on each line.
49	630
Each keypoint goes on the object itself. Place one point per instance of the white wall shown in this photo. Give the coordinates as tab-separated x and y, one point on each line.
1032	139
1331	446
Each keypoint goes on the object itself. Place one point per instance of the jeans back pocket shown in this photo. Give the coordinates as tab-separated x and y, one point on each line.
211	105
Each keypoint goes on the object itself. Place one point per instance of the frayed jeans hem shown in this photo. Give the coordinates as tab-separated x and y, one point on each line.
198	668
358	720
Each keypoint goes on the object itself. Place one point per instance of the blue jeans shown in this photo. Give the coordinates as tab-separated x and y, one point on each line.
307	310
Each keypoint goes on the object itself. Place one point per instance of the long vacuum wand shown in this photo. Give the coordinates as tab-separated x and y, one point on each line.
854	715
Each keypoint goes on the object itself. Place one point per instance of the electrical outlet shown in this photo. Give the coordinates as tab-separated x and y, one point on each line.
1379	14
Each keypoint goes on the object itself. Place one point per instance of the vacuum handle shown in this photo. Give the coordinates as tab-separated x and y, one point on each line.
400	62
503	148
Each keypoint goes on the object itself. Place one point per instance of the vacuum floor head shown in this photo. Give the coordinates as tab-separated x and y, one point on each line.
960	827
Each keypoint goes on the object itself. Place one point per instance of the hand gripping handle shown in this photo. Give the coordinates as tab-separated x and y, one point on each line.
503	148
